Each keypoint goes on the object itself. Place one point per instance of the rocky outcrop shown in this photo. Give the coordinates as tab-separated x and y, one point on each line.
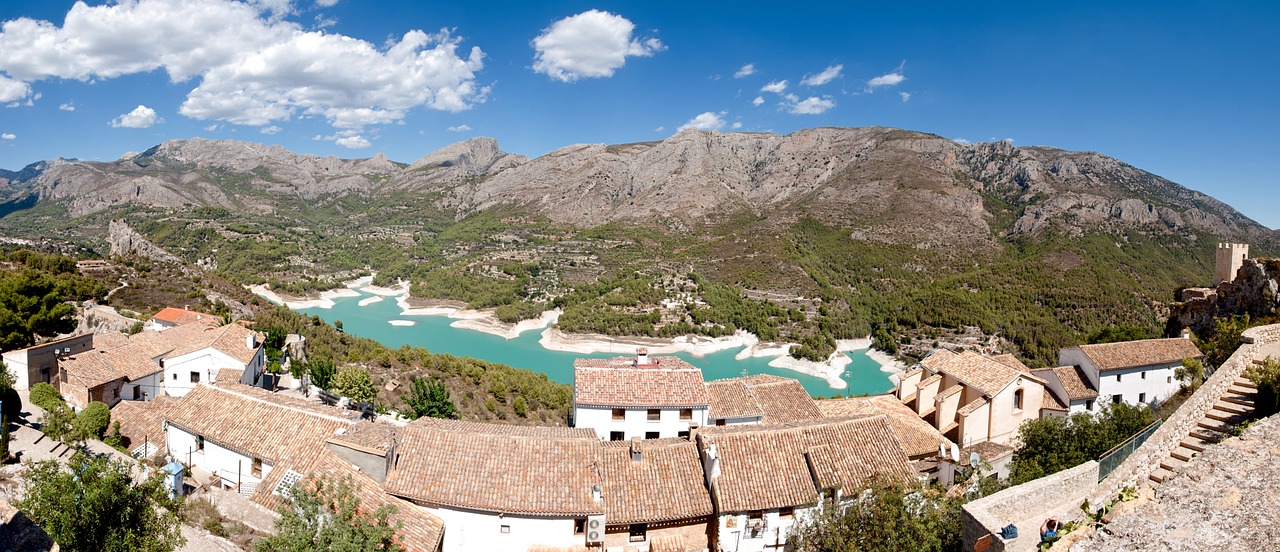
124	241
1255	292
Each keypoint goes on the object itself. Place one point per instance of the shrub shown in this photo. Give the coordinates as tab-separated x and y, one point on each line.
1267	377
12	407
45	396
94	420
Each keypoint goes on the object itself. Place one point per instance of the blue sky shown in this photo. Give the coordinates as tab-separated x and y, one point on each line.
1186	90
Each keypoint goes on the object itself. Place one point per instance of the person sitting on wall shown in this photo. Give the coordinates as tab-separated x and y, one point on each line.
1049	531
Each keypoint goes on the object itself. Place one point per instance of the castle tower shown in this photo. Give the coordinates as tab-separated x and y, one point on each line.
1230	257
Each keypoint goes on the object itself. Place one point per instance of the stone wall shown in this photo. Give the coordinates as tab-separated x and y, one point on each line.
1031	500
1147	457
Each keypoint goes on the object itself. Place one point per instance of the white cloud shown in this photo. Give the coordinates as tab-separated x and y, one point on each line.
827	75
906	96
810	106
746	71
141	117
12	90
777	87
213	127
251	66
963	141
759	100
67	107
458	128
736	125
353	142
705	121
273	129
660	129
590	44
892	78
8	136
326	3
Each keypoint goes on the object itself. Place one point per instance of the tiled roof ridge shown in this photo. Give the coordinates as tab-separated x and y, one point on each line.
225	389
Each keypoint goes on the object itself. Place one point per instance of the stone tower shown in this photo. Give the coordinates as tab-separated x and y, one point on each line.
1229	259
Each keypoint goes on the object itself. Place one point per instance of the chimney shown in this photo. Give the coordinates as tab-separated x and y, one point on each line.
595	492
711	464
642	356
250	342
636	454
1186	333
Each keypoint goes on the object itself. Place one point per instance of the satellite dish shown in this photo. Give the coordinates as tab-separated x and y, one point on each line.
955	453
942	450
974	460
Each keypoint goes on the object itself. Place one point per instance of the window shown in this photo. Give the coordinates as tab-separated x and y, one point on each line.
1118	377
683	434
788	511
195	377
617	436
115	393
1088	405
686	413
720	421
579	526
137	392
619	414
650	435
1142	397
199	442
1169	379
1117	398
504	529
655	414
175	376
639	532
1144	375
755	524
256	469
285	486
1017	400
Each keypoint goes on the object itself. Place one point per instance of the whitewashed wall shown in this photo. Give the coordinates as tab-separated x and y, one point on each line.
471	530
636	421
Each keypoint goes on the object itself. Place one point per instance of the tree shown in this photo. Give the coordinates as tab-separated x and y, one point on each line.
32	304
94	420
59	423
45	396
96	505
4	439
322	373
1053	444
429	397
1191	373
355	384
1224	340
1267	377
326	515
337	324
889	517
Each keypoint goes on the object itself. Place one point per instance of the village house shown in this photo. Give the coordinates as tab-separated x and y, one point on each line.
501	488
654	495
200	352
764	478
971	398
647	397
1071	389
920	440
108	375
39	363
172	317
142	425
759	399
1136	372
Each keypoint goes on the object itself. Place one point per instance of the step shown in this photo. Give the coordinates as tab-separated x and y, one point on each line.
1245	382
1196	444
1245	391
1242	400
1159	475
1172	464
1206	435
1233	408
1214	425
1183	453
1226	417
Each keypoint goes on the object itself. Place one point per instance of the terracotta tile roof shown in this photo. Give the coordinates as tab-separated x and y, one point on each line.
929	381
665	484
143	421
229	340
764	467
1012	362
450	463
95	367
972	406
1074	382
917	436
153	344
537	432
951	391
368	436
776	399
984	374
256	422
668	382
421	530
109	340
987	451
1052	402
1145	352
179	317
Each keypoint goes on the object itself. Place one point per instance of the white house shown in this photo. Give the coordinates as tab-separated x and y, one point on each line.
764	478
202	351
1136	372
1071	387
172	317
759	399
654	495
501	488
646	397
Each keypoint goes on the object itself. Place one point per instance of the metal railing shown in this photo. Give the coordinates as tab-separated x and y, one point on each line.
1112	459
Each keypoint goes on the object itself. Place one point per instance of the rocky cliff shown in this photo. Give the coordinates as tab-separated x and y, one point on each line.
1255	292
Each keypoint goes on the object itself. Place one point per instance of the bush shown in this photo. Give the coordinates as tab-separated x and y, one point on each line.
1267	377
12	407
94	420
45	396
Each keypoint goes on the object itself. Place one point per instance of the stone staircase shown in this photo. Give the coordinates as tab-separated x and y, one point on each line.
1234	406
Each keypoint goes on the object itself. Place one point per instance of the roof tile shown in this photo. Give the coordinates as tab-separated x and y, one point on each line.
667	381
1144	352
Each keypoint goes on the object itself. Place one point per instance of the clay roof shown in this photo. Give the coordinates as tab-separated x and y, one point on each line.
1074	382
420	530
153	344
95	367
972	406
764	467
667	381
109	340
495	469
987	451
917	436
957	388
179	317
776	399
229	340
985	374
665	484
1012	362
372	437
256	422
551	432
143	421
1144	352
1051	401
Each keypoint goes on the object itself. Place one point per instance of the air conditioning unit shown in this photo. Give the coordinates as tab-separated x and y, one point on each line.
595	529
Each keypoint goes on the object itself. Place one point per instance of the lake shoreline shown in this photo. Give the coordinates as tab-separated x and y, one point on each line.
486	320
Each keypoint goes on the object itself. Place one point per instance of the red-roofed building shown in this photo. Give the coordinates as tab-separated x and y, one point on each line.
642	396
172	317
